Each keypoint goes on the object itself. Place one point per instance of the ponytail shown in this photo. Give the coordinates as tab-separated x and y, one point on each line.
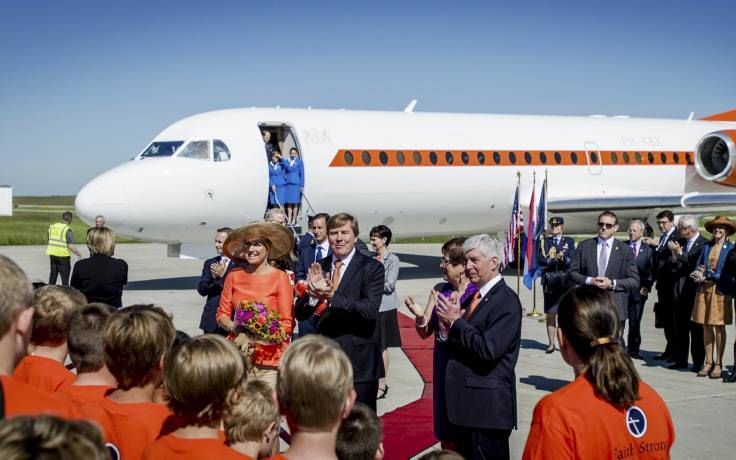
613	374
589	320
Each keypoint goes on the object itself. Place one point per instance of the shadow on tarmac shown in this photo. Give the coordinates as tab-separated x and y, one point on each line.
543	383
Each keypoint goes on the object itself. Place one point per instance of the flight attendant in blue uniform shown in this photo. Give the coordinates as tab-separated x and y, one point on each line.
276	180
294	185
555	256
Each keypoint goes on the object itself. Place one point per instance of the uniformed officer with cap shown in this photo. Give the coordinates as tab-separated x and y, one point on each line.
555	256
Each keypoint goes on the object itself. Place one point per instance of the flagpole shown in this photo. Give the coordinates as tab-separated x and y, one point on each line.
518	241
535	313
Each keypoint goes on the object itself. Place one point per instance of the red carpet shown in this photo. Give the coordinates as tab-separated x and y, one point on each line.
409	429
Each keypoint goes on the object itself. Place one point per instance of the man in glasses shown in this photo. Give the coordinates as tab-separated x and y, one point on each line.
555	256
607	263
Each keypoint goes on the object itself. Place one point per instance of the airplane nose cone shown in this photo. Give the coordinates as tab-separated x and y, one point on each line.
103	197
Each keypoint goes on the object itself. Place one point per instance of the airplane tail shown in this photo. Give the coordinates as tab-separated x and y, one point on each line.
724	116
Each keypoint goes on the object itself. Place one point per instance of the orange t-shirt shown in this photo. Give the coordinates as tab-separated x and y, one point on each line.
573	422
275	291
79	395
43	373
23	399
128	428
172	447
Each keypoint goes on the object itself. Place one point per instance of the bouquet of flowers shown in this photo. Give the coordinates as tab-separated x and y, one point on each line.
256	323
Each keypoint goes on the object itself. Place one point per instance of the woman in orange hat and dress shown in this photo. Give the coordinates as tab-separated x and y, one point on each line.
713	300
258	281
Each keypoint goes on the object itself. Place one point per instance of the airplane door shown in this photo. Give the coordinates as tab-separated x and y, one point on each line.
593	157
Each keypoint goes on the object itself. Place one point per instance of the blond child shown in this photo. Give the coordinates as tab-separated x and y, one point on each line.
16	324
200	376
315	393
253	422
44	367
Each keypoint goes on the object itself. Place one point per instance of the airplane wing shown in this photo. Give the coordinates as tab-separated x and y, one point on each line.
695	202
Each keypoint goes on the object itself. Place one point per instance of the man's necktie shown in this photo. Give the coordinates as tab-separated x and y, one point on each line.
319	255
603	259
633	248
662	239
557	241
688	246
473	304
336	274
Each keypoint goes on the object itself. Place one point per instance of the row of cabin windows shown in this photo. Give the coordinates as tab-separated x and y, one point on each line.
367	158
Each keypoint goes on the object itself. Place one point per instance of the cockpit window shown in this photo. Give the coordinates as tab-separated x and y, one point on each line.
220	150
199	150
161	149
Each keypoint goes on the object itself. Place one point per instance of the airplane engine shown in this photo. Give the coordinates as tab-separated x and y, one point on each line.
715	157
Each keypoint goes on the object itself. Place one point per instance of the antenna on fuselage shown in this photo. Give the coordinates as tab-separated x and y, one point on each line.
410	108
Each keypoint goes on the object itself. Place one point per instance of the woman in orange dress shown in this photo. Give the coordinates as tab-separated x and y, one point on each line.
258	281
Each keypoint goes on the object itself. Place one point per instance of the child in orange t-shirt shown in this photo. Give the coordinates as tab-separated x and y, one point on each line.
84	341
44	368
607	411
253	422
135	340
16	326
315	393
200	376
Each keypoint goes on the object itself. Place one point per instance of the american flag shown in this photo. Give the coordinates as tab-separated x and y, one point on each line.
516	224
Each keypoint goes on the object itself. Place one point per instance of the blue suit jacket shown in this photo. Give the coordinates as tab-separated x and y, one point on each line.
306	258
482	350
294	174
276	174
212	288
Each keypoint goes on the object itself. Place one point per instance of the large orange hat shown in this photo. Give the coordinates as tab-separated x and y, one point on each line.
724	221
279	238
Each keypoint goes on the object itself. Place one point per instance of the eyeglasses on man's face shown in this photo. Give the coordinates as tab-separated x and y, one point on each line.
606	225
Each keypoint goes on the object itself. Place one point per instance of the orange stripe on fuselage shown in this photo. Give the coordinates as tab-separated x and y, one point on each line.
419	158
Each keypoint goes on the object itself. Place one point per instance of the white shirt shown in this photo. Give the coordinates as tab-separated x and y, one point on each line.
599	247
325	245
483	291
691	241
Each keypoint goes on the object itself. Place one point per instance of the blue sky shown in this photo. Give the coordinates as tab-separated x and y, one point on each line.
85	85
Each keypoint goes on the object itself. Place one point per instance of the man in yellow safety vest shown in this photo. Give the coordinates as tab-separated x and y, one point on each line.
59	249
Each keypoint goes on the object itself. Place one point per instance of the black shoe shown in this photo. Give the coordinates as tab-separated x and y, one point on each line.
696	367
731	377
677	365
550	350
635	355
382	392
662	357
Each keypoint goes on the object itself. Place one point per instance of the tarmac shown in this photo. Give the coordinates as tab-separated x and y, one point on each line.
702	409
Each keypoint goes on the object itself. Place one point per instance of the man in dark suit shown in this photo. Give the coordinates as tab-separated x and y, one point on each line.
317	249
211	282
644	258
683	260
607	263
555	255
347	303
481	339
666	281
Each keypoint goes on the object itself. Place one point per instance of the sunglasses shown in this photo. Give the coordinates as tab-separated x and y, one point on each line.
607	226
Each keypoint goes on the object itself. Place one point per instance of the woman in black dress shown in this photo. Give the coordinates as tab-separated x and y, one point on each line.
101	277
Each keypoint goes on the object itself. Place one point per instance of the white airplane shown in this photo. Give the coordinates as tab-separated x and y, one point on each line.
419	173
